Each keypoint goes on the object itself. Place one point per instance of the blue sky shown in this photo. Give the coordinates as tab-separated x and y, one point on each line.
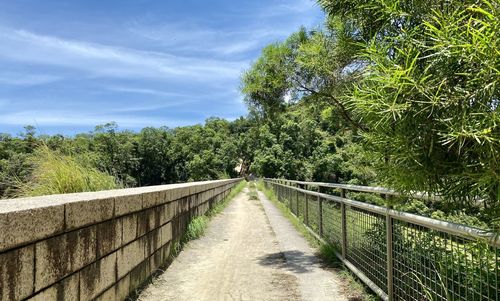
67	66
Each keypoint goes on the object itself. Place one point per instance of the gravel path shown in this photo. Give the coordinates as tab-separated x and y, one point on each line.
315	282
246	254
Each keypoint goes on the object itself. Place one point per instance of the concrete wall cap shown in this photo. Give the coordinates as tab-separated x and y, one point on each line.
27	203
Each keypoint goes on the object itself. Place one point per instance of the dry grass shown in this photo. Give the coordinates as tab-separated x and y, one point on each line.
54	173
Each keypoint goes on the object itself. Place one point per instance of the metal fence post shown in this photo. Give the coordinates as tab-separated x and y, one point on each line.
307	209
320	216
344	225
287	195
297	205
390	265
389	236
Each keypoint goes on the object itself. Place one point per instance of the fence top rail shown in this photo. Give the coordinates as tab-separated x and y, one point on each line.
370	189
434	224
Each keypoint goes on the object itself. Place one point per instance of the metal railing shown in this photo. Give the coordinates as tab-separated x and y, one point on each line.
400	256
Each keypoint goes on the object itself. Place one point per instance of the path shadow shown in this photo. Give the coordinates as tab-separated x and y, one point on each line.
294	261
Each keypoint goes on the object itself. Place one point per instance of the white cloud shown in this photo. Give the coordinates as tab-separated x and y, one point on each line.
110	61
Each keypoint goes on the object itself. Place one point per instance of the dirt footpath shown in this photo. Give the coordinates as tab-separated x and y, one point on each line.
241	258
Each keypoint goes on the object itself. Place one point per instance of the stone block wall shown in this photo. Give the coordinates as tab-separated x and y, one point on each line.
96	245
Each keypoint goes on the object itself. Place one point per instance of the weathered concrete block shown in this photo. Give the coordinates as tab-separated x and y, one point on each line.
108	295
165	196
122	288
175	193
62	255
165	252
83	213
98	276
175	208
129	256
150	199
183	205
128	204
146	221
129	228
109	237
149	220
156	261
140	273
16	273
66	290
18	227
204	196
191	201
166	233
184	191
168	213
153	241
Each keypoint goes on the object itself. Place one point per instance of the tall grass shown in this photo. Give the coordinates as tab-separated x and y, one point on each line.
54	173
196	228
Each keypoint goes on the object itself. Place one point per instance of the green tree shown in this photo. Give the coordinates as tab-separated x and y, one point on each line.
430	98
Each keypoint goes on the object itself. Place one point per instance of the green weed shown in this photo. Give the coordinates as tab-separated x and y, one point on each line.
196	228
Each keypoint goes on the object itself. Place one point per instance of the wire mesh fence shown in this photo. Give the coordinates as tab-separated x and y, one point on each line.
401	256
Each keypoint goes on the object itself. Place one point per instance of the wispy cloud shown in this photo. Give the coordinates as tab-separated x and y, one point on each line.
271	22
105	60
72	118
145	91
20	79
298	7
201	39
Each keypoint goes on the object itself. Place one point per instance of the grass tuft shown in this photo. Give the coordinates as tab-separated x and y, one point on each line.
196	227
328	253
54	173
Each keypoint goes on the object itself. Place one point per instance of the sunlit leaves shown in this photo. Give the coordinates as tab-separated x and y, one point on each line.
430	99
